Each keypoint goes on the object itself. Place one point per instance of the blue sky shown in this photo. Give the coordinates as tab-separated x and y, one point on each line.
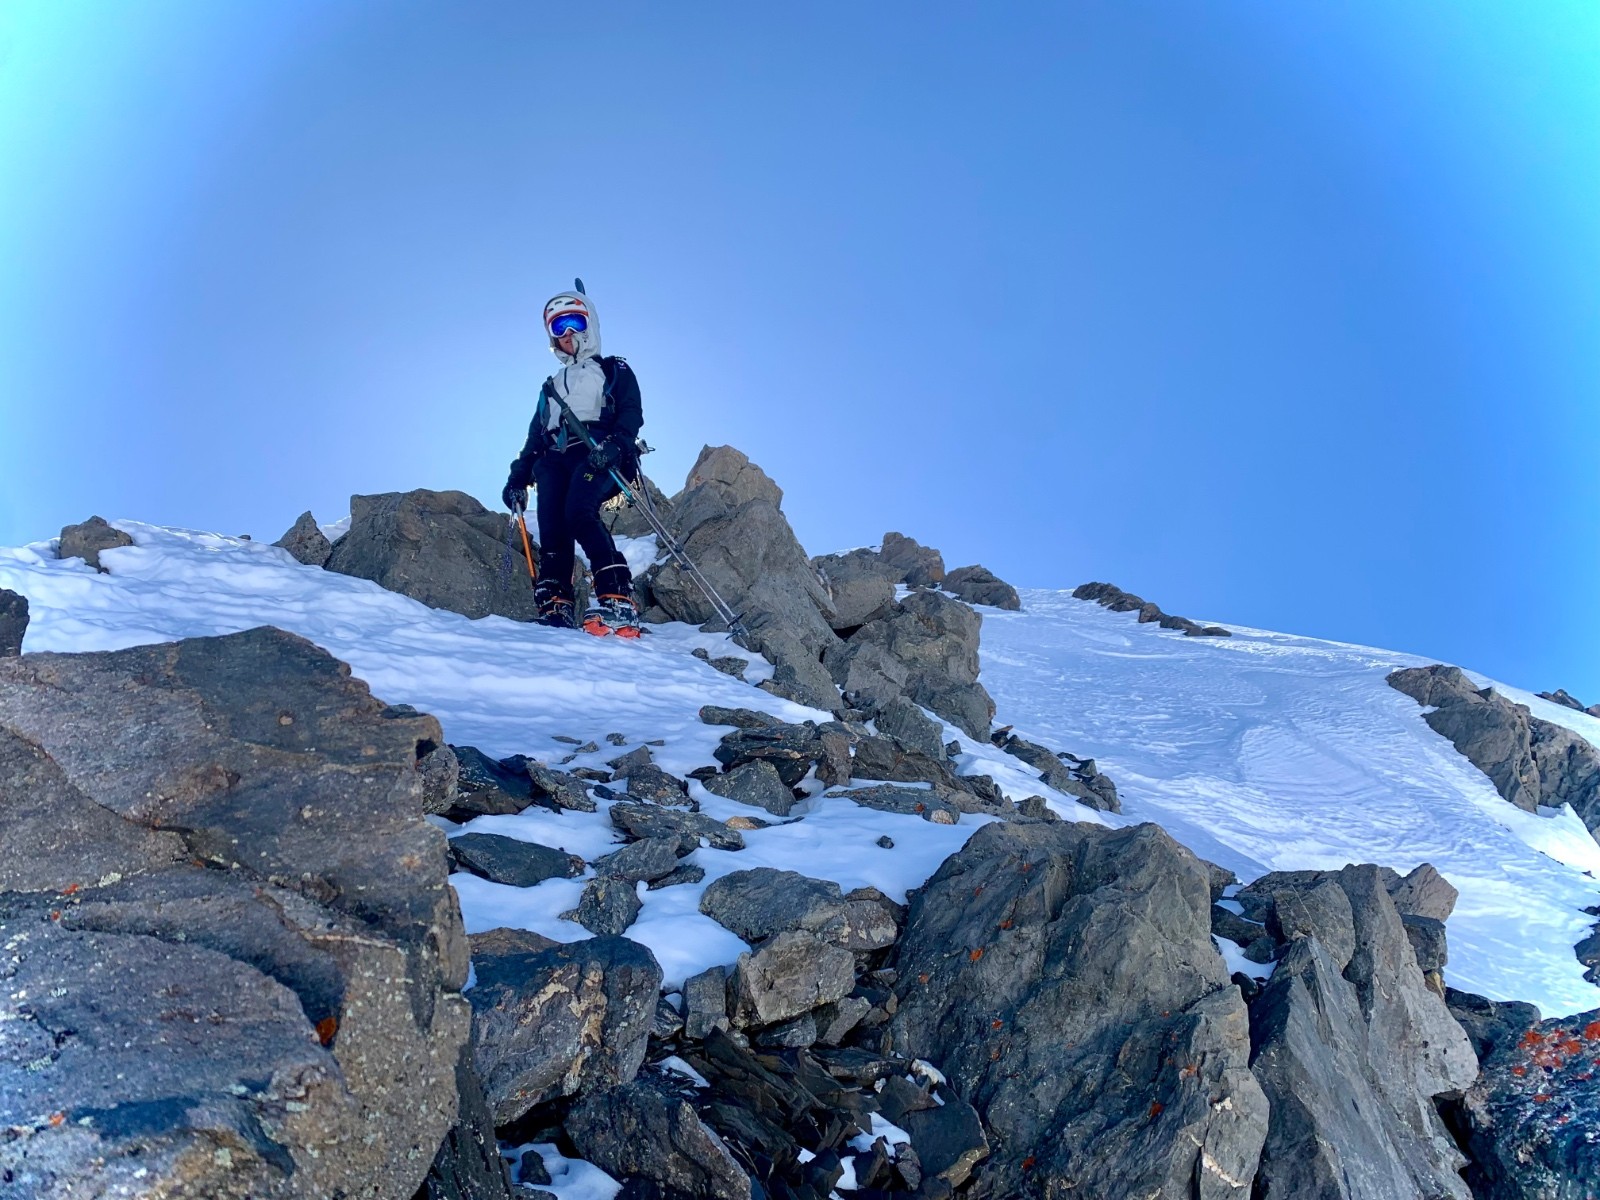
1285	315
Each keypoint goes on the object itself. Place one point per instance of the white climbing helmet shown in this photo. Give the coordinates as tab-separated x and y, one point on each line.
575	311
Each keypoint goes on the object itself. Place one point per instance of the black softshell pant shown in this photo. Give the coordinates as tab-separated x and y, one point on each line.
570	493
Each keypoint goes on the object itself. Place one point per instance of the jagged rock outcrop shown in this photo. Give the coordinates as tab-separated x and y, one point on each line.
1351	1045
730	522
1063	977
1067	773
305	541
442	548
979	585
552	1019
1529	760
235	961
1529	1120
13	622
88	539
1110	596
859	584
925	649
916	565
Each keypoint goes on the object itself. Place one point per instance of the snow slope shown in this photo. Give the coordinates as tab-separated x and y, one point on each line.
1260	752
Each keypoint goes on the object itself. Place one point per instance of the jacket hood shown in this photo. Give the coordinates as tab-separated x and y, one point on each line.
588	341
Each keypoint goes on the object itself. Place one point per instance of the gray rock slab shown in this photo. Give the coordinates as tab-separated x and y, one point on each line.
573	1017
758	903
641	862
791	974
509	861
917	565
607	906
754	783
653	821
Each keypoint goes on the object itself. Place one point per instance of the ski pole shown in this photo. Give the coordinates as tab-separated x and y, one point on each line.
734	621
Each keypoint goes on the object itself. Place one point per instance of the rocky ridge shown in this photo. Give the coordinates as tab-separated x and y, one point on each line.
1048	1015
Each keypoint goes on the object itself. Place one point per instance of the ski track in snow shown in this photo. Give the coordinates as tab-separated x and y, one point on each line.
1260	752
1267	752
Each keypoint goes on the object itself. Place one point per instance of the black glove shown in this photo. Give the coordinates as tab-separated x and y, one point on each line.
606	454
514	496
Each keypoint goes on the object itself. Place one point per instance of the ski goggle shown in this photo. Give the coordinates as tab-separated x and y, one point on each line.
568	322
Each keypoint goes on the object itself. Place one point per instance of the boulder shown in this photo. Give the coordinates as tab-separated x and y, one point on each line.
687	828
913	730
642	1131
979	585
1063	978
1351	1045
1423	893
729	521
559	1021
758	903
935	640
792	973
1528	1123
507	860
756	783
441	777
641	862
297	1007
442	548
484	787
87	540
1490	1024
305	541
13	622
859	584
790	749
608	905
915	564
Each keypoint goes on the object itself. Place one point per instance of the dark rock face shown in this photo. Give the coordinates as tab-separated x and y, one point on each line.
859	584
642	1131
1351	1045
608	906
1530	761
87	540
1564	698
1530	1118
927	650
550	1022
1110	596
1057	973
979	585
917	565
442	548
305	541
730	523
507	860
298	1007
1490	1024
13	622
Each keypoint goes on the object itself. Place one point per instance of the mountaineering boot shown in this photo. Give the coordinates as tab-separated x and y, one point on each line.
555	607
613	614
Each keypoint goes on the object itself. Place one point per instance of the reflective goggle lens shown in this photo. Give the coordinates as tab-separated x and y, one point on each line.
568	323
